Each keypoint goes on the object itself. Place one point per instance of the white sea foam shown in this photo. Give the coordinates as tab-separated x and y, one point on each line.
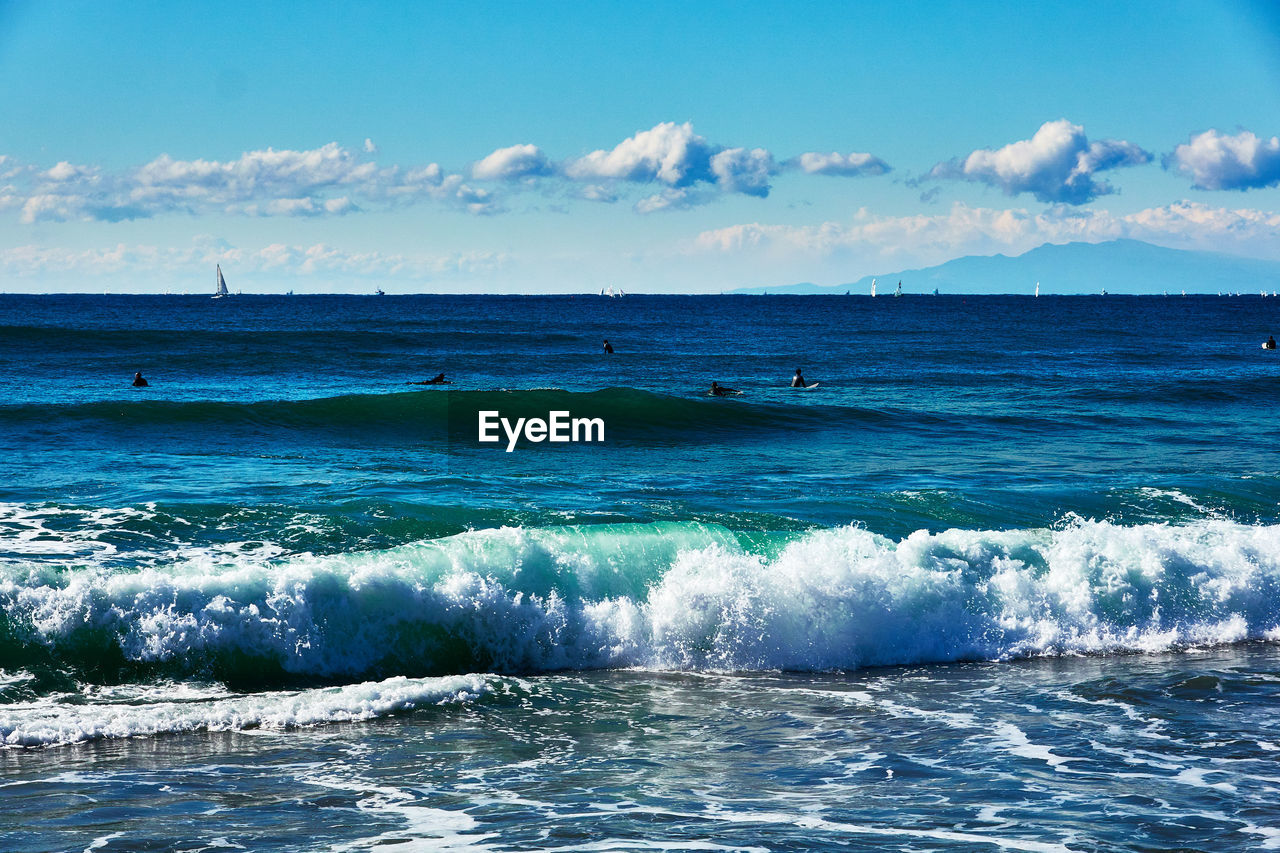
1015	741
673	596
26	724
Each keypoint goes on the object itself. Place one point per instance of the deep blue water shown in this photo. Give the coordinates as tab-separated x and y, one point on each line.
1014	563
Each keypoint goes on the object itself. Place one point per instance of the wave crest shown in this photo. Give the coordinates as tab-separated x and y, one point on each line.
667	596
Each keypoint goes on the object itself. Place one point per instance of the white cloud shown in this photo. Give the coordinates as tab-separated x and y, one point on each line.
52	207
1057	164
598	192
669	153
334	180
517	161
738	170
679	198
329	180
66	171
256	175
692	169
963	230
844	165
1216	161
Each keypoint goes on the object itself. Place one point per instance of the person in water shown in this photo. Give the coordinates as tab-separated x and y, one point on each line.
718	390
608	347
797	381
438	379
1271	342
139	381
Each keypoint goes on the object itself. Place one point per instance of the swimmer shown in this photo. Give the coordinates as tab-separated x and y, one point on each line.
1271	342
797	381
438	379
718	390
138	381
608	347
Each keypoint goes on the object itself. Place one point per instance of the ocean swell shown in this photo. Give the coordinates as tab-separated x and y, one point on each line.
631	415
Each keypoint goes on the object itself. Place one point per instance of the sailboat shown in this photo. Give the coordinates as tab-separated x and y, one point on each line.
898	292
222	285
1037	288
873	287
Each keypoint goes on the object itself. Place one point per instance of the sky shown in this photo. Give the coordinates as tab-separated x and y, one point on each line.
652	147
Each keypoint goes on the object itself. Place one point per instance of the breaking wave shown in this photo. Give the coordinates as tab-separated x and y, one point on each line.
662	596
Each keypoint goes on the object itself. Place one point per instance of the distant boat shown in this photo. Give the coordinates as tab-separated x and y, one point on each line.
873	287
935	291
610	292
379	292
1037	289
222	285
898	292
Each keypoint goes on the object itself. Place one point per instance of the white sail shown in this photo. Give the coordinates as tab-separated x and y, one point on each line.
898	292
873	287
1037	288
222	285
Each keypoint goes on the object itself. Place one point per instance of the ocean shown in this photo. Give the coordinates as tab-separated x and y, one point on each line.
1008	578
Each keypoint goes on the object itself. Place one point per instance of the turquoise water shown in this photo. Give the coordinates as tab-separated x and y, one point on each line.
1014	564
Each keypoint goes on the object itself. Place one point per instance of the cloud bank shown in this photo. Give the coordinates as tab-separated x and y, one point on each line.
192	262
686	168
325	181
1056	165
1216	161
666	167
963	230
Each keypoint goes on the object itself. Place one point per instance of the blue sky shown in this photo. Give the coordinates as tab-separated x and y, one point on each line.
654	147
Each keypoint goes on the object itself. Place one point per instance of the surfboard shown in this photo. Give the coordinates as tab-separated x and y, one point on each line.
811	387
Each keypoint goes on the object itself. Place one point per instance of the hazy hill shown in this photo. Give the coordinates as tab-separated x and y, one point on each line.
1120	266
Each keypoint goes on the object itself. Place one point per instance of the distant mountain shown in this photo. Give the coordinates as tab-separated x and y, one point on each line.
1120	266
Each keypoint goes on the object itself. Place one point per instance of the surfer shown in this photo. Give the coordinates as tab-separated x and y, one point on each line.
1271	342
797	381
608	347
438	379
139	381
718	390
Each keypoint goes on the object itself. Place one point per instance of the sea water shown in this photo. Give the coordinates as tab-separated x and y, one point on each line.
1008	578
